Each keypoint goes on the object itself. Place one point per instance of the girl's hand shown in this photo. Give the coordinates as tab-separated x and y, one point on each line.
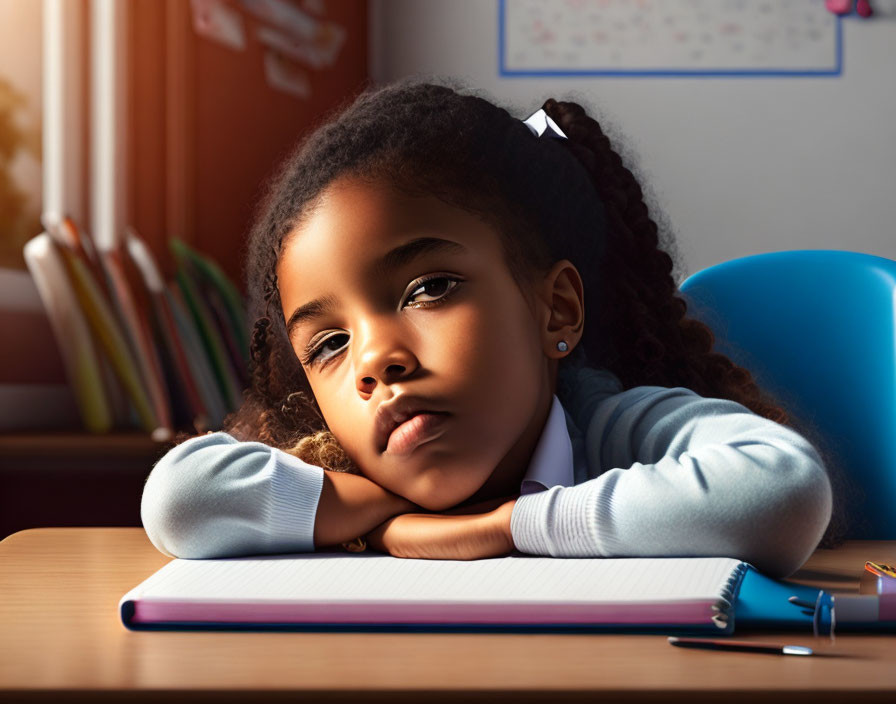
456	534
350	505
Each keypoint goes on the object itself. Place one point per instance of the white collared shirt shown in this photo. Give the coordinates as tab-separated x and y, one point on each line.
552	460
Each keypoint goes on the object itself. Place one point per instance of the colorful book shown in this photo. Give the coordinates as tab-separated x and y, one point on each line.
233	347
197	359
112	340
87	274
167	329
217	279
134	314
208	331
68	235
70	327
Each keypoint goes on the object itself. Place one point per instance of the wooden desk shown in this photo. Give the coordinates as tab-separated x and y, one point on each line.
61	640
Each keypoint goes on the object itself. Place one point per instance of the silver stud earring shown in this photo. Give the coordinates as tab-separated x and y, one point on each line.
562	346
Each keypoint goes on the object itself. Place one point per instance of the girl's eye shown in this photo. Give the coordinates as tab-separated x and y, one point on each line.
437	288
312	353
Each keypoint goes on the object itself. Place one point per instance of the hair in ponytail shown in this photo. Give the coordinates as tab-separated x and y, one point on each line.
645	335
590	209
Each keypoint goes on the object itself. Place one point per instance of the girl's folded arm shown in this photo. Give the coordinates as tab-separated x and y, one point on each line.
686	475
214	496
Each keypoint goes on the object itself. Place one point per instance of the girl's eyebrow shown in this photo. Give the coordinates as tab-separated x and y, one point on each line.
393	259
409	251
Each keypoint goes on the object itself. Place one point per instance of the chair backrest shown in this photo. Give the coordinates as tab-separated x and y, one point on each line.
817	329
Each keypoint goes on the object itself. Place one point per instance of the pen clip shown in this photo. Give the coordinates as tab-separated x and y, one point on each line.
824	604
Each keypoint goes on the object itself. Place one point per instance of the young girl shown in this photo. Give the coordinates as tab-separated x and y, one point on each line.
468	342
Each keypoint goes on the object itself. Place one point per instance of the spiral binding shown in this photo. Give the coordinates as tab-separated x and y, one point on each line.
723	605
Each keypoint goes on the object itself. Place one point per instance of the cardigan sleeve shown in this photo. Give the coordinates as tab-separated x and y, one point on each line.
214	496
677	474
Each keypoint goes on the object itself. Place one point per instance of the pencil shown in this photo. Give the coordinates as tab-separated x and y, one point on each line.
740	645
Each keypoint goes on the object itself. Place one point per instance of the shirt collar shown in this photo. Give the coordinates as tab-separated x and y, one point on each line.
552	461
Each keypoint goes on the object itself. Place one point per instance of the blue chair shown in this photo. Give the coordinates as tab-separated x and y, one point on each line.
817	329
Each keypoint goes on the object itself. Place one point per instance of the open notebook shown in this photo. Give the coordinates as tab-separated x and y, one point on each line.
372	591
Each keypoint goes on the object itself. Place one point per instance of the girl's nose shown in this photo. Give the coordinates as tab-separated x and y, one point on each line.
387	361
368	383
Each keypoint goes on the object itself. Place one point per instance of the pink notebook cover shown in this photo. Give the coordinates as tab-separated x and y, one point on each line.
152	611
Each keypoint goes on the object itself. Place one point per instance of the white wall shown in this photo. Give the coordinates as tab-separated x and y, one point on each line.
739	166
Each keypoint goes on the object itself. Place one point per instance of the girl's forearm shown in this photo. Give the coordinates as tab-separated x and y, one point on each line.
351	505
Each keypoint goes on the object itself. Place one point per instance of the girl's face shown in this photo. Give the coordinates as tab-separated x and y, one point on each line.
391	298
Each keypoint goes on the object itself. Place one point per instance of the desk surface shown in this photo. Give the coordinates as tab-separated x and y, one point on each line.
61	639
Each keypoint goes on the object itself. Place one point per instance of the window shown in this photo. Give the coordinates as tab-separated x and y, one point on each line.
20	127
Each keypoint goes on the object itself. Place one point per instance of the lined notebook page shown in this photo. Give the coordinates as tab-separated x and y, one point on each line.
329	577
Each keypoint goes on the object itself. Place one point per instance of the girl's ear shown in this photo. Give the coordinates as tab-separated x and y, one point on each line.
561	309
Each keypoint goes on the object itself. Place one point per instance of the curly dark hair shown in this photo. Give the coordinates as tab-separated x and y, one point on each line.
432	139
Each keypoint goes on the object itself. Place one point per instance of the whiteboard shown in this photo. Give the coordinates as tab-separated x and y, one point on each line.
668	37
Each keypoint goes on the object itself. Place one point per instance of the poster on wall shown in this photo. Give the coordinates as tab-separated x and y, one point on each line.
295	37
668	37
215	20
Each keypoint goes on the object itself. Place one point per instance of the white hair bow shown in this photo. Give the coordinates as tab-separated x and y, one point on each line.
542	125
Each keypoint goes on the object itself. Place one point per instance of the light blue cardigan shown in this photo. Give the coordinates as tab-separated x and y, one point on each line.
657	472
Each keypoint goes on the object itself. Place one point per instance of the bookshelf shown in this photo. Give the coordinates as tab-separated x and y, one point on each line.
73	478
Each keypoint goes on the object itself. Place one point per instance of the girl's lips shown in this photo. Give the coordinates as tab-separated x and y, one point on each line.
415	431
